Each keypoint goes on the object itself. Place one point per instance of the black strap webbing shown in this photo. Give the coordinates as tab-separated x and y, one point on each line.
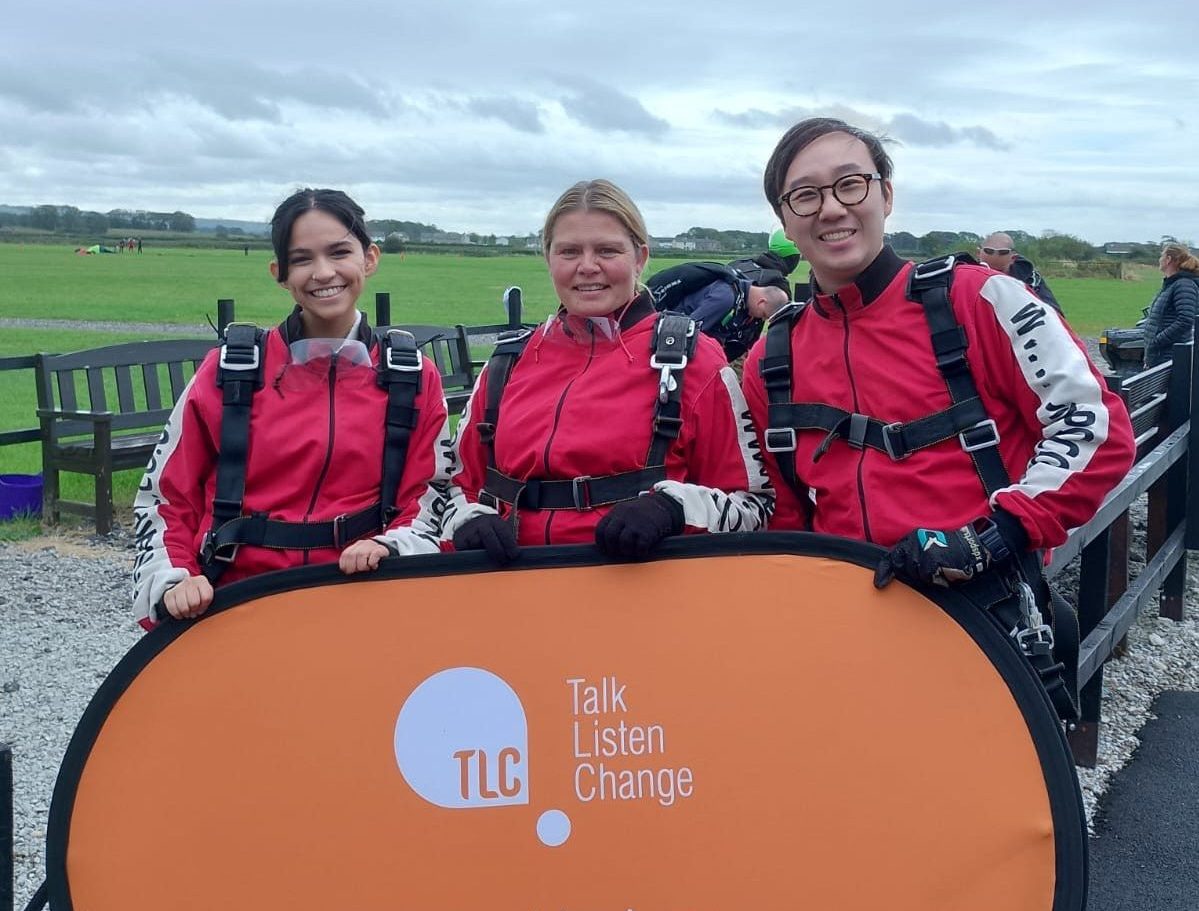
399	372
928	284
674	341
220	545
775	369
239	375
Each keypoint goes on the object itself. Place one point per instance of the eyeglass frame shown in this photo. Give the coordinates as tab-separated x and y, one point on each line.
785	199
998	251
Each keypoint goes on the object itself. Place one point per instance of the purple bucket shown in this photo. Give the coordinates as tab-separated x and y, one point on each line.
20	494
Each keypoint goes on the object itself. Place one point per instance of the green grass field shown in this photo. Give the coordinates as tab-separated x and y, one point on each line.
181	286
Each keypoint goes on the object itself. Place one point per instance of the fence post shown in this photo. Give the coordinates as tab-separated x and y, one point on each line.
7	858
224	314
1179	406
513	304
382	308
1094	601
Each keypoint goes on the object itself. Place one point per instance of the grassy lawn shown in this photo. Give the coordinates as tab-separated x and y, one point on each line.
181	286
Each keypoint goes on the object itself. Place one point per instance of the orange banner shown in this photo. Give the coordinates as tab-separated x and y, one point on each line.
723	731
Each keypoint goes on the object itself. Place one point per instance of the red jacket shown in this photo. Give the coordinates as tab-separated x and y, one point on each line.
571	409
1064	438
315	452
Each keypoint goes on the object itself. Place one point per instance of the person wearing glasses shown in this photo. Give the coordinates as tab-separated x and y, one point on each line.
855	368
998	252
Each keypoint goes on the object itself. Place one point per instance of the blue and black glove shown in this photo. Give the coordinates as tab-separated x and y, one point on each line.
491	533
945	558
633	528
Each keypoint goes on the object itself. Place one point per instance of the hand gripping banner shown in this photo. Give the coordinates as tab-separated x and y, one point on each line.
744	723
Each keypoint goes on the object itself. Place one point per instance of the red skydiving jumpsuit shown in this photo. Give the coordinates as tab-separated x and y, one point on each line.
1064	438
573	408
315	452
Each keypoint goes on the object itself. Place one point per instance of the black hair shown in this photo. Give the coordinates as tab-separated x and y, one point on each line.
335	202
796	139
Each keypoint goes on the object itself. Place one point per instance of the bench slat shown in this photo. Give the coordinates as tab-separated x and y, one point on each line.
125	400
153	393
66	390
96	394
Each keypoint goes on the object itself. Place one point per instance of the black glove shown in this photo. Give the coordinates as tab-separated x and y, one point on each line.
633	528
941	557
490	533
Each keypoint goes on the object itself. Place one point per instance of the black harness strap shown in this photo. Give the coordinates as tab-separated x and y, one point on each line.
674	343
928	283
775	369
399	372
240	376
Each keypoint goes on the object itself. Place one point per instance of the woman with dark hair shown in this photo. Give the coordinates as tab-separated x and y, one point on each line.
590	429
1171	319
326	475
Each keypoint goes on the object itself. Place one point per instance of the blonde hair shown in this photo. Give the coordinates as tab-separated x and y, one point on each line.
1178	253
597	196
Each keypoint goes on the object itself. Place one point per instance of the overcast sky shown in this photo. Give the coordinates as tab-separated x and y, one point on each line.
476	114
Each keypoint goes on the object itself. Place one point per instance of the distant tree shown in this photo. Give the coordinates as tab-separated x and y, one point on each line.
393	243
44	217
95	222
1052	246
221	231
181	222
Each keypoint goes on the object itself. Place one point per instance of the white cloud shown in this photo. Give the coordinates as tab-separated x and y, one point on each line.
475	115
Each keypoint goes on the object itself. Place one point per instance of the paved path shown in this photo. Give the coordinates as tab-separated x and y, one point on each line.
1145	853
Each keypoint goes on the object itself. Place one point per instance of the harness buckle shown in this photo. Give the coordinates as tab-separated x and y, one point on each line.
210	552
933	268
339	531
580	490
666	382
488	499
991	438
226	364
779	439
1037	636
894	452
404	363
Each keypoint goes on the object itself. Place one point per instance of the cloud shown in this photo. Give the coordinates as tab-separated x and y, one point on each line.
607	109
521	115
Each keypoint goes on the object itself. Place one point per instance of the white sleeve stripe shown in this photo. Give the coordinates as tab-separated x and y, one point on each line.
1074	420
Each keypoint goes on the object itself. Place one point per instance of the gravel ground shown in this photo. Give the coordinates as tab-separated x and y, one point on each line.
65	622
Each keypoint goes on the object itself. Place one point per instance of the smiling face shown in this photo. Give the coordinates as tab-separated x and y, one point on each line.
839	241
594	262
327	269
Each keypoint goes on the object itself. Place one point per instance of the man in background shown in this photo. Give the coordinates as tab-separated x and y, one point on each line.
998	252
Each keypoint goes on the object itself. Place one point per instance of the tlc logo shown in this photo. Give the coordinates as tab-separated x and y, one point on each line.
461	741
505	777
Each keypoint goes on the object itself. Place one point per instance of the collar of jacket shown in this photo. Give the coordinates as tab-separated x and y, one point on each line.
635	311
865	289
1181	273
292	329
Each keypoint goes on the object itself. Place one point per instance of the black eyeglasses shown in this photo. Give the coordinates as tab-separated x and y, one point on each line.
849	190
1001	251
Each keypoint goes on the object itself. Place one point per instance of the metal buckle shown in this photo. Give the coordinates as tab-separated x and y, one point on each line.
1037	636
226	365
339	531
580	492
889	446
786	434
992	439
390	363
934	268
225	553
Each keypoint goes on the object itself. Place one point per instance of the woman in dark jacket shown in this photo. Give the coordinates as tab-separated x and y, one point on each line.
1171	317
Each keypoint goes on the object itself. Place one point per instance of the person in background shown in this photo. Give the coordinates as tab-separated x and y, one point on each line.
998	252
314	463
1171	318
572	435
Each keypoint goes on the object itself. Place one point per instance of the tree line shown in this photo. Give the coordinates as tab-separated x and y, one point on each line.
74	221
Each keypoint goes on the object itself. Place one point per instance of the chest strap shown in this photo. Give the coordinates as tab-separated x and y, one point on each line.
673	345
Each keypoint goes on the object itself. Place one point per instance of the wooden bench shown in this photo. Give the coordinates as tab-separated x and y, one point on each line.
103	410
449	347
